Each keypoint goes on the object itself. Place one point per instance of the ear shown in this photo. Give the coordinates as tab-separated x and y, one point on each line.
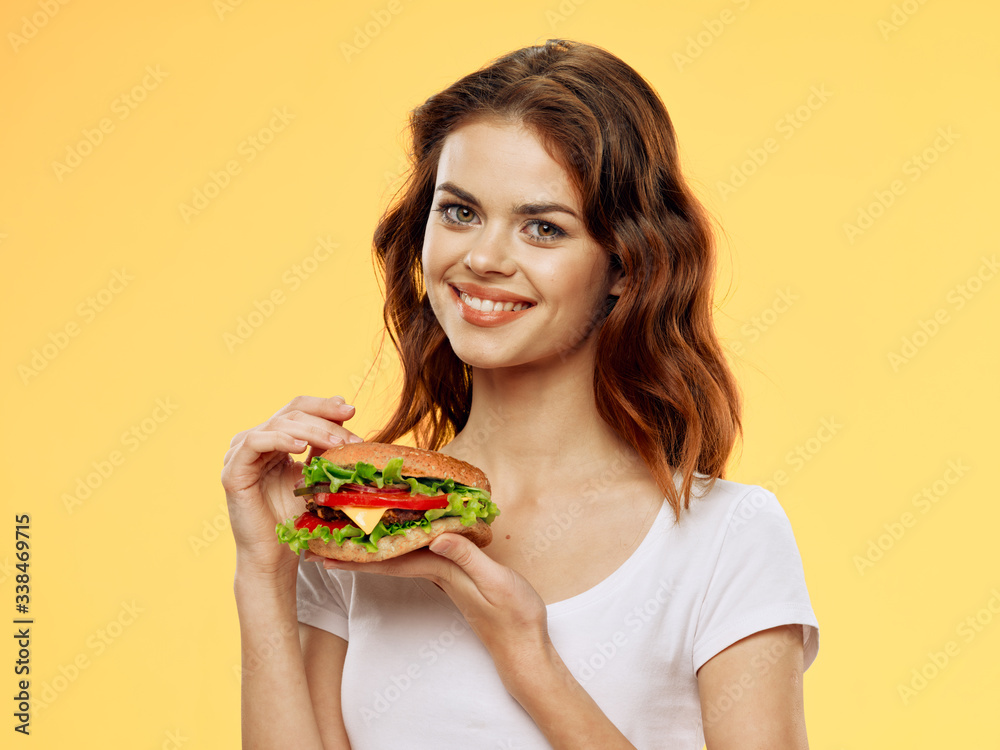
617	283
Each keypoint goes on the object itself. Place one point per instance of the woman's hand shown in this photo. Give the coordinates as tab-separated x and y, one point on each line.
501	607
259	475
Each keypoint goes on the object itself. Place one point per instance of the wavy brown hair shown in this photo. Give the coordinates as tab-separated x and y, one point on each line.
660	378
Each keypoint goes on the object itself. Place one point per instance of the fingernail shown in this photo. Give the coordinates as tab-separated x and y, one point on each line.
347	406
440	546
355	439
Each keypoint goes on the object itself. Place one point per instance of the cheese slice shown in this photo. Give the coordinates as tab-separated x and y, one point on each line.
365	519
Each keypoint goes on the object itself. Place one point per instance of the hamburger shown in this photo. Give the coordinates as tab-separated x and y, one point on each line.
367	502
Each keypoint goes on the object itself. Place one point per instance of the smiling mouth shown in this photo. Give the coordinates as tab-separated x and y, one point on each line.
488	305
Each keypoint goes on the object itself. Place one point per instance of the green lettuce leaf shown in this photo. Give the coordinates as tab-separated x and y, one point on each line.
298	539
322	470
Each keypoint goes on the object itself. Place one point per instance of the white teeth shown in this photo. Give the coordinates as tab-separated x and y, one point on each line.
489	305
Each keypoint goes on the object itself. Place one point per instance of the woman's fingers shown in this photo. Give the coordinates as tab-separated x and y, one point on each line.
452	562
259	442
322	417
333	409
420	563
327	415
489	577
313	430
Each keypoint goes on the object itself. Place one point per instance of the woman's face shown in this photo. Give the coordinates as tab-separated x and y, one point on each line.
506	226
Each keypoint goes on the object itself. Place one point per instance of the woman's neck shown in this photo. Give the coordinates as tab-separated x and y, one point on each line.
539	417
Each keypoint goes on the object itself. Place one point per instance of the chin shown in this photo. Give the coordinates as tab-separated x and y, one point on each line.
484	360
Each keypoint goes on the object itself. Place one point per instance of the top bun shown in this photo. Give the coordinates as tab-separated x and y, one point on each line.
417	462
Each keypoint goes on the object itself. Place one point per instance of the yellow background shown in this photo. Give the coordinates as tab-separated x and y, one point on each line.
137	578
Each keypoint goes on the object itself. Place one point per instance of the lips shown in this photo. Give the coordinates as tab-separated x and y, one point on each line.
494	308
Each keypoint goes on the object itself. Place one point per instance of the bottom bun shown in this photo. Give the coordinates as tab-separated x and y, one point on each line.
399	544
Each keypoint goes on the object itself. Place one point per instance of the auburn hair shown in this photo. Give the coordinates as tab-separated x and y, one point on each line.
660	378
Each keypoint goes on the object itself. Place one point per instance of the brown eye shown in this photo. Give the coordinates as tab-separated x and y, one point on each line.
543	231
463	214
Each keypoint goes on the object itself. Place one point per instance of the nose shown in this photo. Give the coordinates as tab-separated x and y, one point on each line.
491	253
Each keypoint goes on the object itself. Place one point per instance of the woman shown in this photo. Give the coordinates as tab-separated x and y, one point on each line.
631	597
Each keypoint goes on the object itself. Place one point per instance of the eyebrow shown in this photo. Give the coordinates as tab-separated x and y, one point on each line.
524	209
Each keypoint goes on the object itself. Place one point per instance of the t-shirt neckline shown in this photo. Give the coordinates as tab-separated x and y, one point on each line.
596	592
617	577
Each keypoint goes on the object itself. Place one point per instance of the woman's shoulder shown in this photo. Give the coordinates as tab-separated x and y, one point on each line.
725	505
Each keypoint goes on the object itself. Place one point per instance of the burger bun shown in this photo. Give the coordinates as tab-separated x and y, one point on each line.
399	544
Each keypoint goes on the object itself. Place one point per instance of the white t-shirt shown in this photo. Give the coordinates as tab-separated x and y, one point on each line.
416	676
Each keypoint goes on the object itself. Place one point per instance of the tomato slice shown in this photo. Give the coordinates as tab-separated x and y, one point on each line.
310	521
380	500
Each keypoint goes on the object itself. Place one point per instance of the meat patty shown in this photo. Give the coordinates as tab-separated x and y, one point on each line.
392	515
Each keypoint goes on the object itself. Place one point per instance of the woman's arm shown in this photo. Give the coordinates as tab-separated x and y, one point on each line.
277	705
537	678
275	696
323	654
751	693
